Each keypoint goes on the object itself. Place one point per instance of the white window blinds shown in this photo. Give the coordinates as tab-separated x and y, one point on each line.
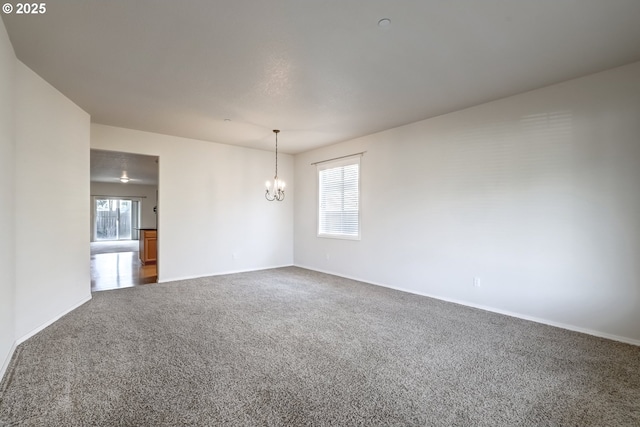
339	199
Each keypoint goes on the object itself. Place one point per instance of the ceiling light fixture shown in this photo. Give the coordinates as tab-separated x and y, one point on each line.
124	178
384	22
275	191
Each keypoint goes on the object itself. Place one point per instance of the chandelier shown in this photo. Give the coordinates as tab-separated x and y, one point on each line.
275	191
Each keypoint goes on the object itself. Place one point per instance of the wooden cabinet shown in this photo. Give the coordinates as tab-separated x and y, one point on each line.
148	246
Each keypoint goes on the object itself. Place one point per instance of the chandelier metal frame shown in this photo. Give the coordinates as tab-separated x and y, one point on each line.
275	192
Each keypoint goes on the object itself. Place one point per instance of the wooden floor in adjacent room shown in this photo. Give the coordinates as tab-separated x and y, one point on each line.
117	265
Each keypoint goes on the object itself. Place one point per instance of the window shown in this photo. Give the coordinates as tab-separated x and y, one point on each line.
115	218
339	199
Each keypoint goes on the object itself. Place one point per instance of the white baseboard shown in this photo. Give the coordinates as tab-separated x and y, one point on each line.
51	321
222	273
28	335
491	309
7	360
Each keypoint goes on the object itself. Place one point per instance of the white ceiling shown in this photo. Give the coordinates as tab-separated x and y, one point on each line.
108	166
321	71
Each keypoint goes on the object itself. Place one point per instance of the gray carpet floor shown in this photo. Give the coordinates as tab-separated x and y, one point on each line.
295	347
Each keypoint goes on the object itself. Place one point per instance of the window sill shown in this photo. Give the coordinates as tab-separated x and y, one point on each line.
338	236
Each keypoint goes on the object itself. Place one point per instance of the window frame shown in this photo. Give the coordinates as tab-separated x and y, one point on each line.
332	164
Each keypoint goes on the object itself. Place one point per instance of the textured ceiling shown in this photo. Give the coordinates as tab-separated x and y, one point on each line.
108	166
321	71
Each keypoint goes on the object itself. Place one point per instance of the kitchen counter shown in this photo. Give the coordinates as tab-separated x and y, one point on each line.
148	245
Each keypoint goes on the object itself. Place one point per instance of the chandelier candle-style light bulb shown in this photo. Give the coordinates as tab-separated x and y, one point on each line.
275	192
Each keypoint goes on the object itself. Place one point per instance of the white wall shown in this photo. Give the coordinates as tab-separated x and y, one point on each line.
7	200
52	189
146	193
212	214
536	194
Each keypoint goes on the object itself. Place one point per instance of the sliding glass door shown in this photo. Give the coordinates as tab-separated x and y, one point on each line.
115	219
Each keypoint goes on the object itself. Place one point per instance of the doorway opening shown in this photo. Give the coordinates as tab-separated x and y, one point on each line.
123	220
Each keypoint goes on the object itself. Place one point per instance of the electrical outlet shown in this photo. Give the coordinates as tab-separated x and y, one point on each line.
476	282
